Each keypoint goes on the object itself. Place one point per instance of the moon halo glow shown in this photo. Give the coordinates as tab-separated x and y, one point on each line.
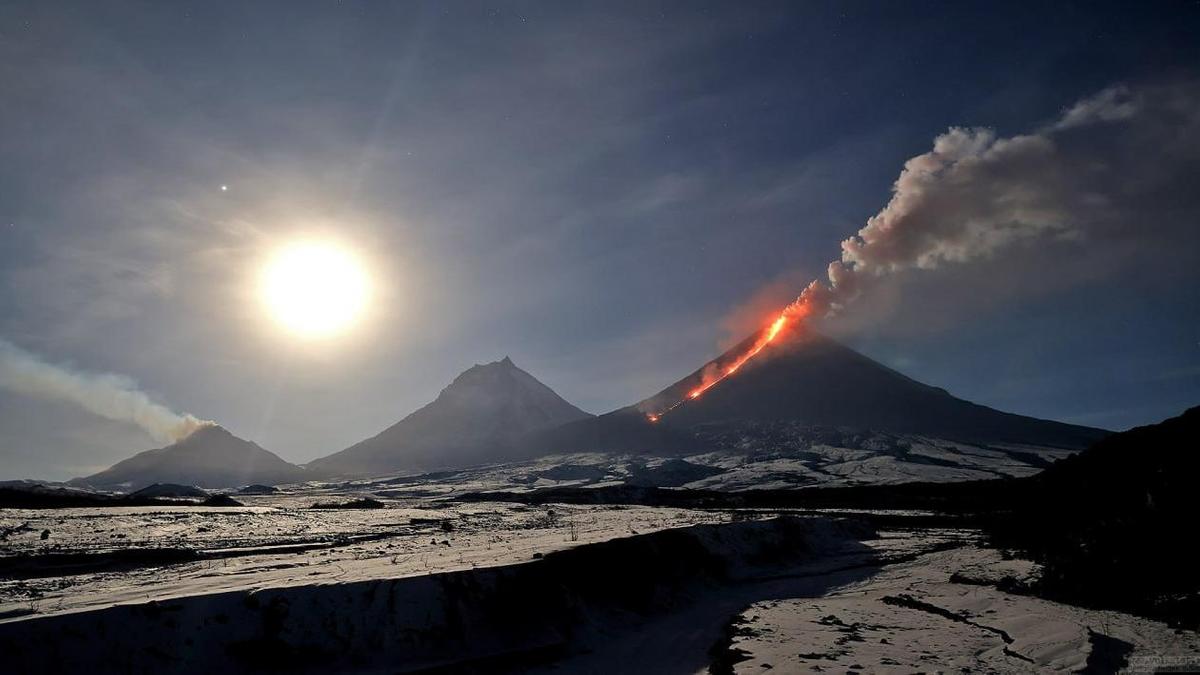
315	289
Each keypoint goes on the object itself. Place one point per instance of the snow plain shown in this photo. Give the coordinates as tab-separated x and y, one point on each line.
283	543
938	613
431	583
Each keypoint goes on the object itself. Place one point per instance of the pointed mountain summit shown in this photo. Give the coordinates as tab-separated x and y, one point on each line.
475	419
806	378
210	457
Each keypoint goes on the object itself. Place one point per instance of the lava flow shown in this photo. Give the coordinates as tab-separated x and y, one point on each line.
793	312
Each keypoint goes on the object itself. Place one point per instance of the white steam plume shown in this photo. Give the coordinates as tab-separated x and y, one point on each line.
115	397
1111	164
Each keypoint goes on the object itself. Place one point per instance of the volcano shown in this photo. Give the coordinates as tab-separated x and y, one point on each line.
478	418
805	378
815	380
211	457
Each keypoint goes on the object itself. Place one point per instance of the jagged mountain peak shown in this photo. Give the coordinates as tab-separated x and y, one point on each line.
496	373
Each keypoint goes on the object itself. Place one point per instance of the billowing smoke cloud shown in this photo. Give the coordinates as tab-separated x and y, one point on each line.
111	396
1112	165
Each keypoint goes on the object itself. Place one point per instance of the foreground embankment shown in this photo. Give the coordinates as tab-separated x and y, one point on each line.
487	619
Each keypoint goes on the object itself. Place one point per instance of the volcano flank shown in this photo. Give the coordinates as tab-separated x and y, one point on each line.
807	378
210	457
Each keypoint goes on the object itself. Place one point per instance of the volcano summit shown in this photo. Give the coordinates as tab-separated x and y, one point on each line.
209	457
812	410
809	378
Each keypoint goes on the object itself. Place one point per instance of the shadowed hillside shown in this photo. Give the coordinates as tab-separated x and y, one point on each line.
211	457
475	419
810	379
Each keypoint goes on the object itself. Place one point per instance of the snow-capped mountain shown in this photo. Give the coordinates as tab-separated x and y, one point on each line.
477	418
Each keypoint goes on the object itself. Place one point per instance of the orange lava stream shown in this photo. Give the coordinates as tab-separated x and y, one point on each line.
768	335
759	344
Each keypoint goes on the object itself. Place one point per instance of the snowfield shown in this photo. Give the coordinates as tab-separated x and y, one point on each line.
496	587
912	617
758	456
286	544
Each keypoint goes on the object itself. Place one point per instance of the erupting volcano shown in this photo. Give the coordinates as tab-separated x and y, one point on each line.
725	366
787	373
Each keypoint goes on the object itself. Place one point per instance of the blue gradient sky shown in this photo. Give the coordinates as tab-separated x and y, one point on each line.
593	189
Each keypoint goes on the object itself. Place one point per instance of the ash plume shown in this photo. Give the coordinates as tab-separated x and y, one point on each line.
1114	163
111	396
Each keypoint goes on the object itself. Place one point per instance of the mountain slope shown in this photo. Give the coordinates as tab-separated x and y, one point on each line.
804	377
478	418
211	457
814	379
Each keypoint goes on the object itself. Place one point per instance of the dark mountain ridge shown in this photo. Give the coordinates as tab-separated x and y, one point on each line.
806	377
478	418
809	377
211	457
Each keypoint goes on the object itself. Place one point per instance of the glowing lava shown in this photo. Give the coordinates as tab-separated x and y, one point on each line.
762	341
793	312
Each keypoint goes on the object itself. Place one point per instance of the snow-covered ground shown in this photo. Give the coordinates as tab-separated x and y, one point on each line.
756	456
912	617
564	588
760	455
554	605
286	544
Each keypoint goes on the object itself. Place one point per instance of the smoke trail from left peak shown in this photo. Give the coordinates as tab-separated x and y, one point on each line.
111	396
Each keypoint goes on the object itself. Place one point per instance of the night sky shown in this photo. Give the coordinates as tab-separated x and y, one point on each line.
609	193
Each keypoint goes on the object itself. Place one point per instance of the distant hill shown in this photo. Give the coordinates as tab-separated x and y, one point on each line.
169	490
807	378
477	418
211	457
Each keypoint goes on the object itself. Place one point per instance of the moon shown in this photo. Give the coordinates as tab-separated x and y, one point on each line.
315	289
